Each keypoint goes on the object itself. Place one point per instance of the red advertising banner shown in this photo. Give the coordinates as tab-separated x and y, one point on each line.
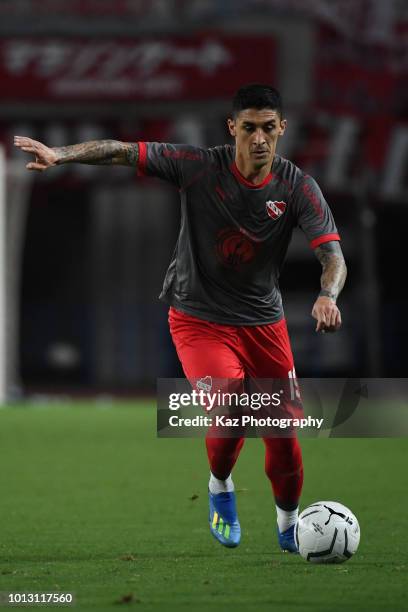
196	67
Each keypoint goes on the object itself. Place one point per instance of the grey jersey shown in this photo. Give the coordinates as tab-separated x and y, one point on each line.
234	235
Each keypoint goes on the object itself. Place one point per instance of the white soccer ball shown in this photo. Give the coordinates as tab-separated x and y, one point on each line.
327	532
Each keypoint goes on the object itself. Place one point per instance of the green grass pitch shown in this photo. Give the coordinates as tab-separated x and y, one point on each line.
93	503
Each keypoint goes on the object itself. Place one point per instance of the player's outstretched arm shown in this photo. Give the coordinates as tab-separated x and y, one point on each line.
99	152
334	274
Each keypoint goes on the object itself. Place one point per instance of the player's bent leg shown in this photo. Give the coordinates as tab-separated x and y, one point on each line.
284	468
266	353
207	350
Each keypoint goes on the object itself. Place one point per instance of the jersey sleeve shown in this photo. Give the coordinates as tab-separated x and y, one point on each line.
175	163
313	213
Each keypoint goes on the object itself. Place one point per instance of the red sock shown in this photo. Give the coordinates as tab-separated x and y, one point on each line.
222	455
284	468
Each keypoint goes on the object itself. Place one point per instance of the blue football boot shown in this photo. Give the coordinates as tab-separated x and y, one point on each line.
223	519
287	540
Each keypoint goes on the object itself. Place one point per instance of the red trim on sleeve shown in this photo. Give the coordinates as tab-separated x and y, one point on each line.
322	239
244	181
142	162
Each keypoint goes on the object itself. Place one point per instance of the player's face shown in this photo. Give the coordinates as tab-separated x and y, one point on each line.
256	133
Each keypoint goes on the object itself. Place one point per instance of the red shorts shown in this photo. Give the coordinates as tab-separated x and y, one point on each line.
232	352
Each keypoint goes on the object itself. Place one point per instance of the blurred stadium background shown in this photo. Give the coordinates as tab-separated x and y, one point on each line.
87	247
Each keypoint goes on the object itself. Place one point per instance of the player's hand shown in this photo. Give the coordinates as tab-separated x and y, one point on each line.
327	315
45	157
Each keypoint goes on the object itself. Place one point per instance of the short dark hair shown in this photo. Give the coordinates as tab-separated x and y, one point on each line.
259	96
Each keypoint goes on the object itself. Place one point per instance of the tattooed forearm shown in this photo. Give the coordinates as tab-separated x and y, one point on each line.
131	151
94	152
334	268
99	152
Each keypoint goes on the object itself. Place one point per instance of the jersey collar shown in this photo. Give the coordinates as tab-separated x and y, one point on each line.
241	179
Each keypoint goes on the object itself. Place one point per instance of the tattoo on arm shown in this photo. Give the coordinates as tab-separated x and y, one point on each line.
100	152
334	268
131	150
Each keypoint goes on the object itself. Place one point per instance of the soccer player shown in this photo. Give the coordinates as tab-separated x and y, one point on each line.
239	205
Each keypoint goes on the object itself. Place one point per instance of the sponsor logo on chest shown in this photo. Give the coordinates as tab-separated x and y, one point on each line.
275	209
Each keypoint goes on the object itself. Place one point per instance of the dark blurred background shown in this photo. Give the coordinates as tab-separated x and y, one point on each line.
88	246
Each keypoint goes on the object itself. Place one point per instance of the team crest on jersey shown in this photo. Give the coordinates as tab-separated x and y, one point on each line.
275	209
